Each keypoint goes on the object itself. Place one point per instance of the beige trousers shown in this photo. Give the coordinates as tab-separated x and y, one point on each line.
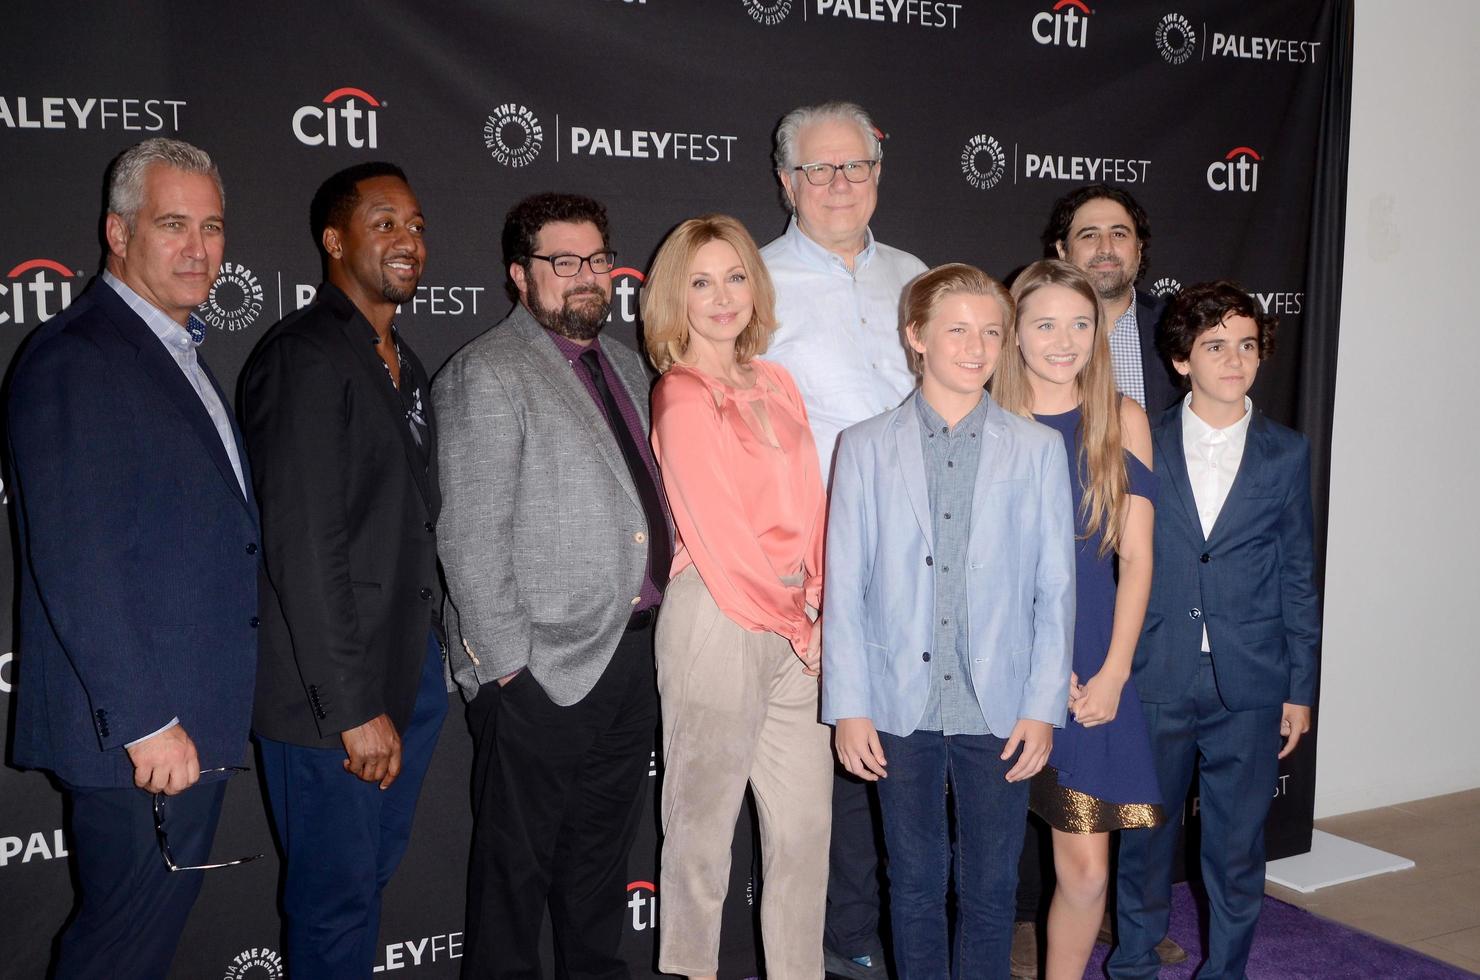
736	708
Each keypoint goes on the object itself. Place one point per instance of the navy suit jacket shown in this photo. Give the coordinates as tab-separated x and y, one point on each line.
1163	386
138	552
1250	581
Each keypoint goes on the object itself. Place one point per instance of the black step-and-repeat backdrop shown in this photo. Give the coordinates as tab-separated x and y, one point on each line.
1208	112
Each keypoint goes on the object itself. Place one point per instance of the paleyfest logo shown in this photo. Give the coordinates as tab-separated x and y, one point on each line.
327	124
512	135
983	162
768	12
1175	39
35	291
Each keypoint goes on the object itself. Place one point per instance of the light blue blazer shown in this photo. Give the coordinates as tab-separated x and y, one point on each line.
879	603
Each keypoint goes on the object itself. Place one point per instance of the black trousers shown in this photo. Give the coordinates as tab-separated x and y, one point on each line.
557	796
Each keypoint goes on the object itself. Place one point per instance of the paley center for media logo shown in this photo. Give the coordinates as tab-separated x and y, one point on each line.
1237	171
35	291
768	12
235	301
346	116
63	112
1177	40
514	136
985	162
258	963
1066	23
1166	287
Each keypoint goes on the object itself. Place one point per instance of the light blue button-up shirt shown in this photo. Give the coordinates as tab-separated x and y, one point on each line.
838	331
181	344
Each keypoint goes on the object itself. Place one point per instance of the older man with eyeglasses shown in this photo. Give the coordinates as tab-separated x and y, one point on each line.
837	309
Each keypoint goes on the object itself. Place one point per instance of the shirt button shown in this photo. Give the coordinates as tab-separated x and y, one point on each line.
929	561
947	677
945	622
426	593
948	515
925	656
639	537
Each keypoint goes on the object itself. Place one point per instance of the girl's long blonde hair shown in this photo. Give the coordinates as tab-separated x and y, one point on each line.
1100	458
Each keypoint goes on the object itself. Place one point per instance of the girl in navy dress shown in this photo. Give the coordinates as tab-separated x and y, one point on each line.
1056	369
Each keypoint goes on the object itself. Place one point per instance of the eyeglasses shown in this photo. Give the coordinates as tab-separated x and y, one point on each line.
566	266
854	171
161	812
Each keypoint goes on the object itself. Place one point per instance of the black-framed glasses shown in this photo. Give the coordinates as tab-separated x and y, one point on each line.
161	814
567	265
821	174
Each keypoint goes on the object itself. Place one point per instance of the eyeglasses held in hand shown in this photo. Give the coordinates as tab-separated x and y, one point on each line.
161	812
566	266
821	174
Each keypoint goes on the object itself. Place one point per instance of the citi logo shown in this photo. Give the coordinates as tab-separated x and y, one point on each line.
328	124
626	285
642	899
1237	171
35	291
1067	24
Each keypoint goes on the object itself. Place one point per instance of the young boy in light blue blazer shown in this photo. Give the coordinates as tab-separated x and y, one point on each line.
949	614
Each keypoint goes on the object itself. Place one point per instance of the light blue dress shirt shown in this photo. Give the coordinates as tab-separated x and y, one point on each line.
838	331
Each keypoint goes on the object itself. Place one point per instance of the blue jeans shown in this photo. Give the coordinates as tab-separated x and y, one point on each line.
989	815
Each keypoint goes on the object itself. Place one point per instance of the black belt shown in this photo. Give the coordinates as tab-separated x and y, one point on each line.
643	619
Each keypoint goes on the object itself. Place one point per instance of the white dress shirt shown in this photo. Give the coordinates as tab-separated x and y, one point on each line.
1213	457
838	331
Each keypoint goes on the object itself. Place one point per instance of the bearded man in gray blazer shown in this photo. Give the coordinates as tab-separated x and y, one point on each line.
556	544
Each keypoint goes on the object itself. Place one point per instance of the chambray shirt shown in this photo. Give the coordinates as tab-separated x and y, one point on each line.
181	343
951	456
838	331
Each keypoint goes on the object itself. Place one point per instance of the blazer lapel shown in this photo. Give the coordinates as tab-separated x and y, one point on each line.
562	377
177	389
358	334
911	460
1247	480
1168	437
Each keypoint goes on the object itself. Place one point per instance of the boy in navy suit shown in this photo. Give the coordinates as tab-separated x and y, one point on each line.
1226	665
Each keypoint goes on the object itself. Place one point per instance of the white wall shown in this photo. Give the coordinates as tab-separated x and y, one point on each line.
1400	698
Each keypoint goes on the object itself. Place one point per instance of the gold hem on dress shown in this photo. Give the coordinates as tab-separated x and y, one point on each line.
1074	812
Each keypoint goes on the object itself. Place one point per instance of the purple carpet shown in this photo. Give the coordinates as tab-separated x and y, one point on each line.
1293	944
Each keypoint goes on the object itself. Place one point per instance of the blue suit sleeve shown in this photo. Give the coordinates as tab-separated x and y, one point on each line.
850	536
1046	694
76	454
1301	606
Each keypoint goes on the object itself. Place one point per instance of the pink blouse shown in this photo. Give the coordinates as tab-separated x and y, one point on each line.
749	510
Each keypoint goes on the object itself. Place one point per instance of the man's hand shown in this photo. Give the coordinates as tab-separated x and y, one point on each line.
374	751
1099	700
165	763
859	750
504	680
1294	722
1036	738
812	662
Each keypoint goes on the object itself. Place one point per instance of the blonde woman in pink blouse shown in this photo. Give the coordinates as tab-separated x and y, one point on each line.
738	642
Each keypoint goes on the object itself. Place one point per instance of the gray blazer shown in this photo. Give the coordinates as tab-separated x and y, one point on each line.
542	536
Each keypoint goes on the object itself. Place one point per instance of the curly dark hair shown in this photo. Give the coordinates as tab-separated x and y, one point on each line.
339	195
525	219
1062	217
1201	307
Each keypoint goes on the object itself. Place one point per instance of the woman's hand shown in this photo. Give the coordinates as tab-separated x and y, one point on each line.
812	662
1099	701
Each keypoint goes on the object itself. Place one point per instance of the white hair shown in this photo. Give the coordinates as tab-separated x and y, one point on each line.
126	184
801	117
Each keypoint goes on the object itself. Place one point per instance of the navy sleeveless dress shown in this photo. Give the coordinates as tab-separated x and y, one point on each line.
1100	778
